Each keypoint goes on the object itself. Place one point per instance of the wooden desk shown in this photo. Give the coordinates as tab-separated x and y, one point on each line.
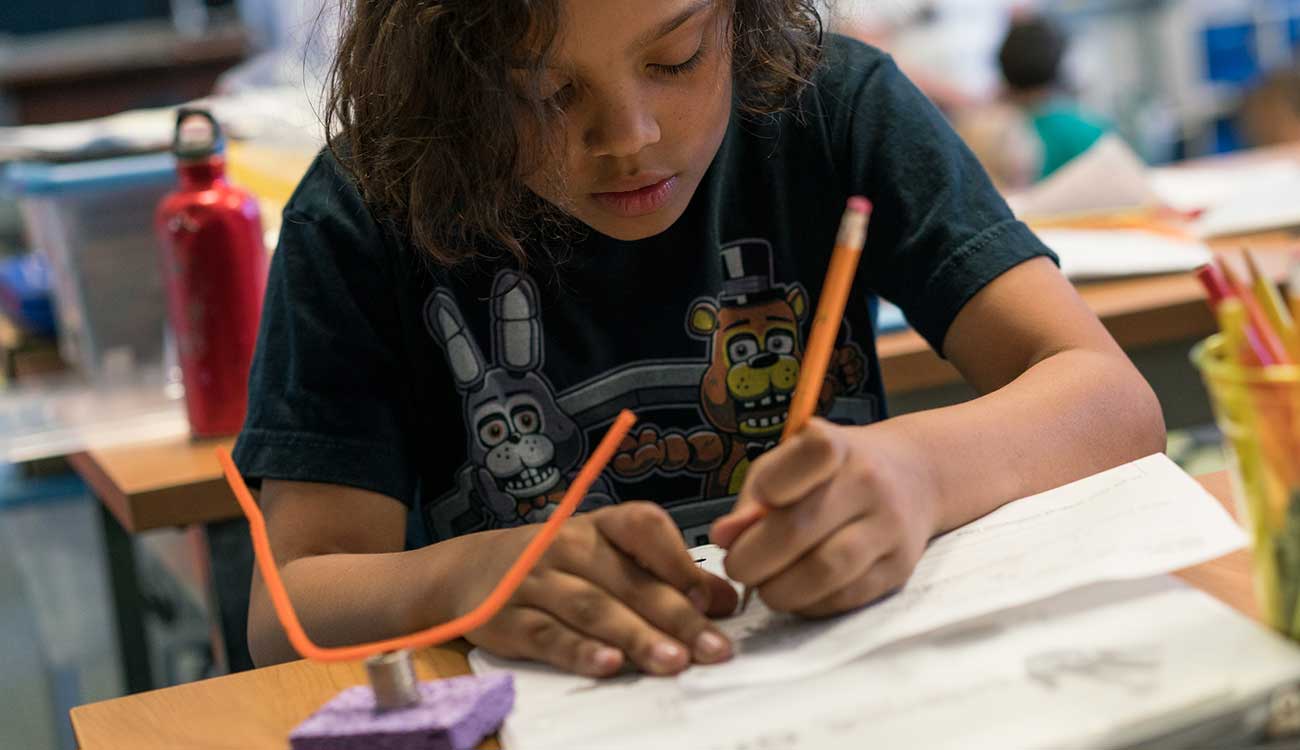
161	484
257	709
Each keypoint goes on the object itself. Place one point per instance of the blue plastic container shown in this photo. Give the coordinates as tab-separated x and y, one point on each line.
94	223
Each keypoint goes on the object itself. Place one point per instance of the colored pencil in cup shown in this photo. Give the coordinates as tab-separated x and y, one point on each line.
1275	310
849	242
1268	346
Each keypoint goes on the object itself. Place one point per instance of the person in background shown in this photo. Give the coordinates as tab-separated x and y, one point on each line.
1270	113
1031	59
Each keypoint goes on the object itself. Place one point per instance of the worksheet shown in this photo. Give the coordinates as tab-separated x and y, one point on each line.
1103	666
947	639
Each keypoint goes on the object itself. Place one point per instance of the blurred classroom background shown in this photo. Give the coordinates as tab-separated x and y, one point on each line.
122	564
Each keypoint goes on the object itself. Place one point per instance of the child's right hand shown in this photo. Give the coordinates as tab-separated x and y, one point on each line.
617	585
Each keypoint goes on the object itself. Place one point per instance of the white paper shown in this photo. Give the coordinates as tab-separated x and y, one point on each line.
1112	253
1197	188
1261	207
1106	178
1141	519
1103	666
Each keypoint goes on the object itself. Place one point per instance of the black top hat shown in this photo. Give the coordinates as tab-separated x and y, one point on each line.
747	272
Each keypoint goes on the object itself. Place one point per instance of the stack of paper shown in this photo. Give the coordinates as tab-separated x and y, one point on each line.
1039	624
1088	254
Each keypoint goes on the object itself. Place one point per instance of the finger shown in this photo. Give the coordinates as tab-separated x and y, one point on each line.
530	633
782	477
663	606
842	559
644	532
775	543
596	613
887	575
788	472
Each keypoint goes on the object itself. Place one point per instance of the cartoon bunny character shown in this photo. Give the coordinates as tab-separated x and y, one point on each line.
523	448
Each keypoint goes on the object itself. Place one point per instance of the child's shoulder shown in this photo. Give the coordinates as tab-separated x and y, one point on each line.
848	65
325	191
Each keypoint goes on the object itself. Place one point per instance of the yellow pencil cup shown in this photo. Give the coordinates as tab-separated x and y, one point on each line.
1258	412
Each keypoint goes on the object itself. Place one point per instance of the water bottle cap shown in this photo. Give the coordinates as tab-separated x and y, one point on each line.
198	136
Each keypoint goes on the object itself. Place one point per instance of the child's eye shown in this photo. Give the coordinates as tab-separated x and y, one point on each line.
562	97
683	67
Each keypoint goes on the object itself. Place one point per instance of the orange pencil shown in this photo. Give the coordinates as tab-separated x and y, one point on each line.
826	325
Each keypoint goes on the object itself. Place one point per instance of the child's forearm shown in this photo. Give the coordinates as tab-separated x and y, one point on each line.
353	598
1071	415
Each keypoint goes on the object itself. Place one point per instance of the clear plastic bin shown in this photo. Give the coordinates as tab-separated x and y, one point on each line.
94	221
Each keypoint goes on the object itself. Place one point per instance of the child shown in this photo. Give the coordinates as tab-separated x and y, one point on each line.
536	213
1031	59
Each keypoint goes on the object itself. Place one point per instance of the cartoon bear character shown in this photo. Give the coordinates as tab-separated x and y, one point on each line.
523	448
755	349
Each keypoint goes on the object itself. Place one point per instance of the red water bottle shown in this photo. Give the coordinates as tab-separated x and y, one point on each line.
214	265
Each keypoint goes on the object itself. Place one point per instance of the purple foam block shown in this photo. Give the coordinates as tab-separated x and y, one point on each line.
453	714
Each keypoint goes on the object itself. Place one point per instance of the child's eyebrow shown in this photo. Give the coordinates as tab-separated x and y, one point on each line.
667	27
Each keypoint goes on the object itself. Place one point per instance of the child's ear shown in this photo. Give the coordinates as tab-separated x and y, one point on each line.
798	301
703	320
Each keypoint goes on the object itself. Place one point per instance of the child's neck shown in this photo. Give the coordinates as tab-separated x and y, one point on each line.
1032	98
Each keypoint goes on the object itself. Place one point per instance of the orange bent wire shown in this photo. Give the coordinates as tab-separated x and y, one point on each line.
437	634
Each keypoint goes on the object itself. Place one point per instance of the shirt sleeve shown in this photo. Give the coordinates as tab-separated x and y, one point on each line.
326	395
940	231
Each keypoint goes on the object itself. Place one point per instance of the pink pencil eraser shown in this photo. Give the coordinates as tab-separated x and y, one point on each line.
859	204
453	714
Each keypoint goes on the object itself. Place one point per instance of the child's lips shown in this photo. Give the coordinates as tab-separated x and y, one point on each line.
640	200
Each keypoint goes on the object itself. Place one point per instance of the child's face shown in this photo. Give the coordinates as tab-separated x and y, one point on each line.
646	92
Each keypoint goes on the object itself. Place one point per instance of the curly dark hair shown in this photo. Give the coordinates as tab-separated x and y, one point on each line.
423	109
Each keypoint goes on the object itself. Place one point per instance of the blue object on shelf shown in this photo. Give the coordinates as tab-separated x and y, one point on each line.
25	293
1230	53
1293	31
40	178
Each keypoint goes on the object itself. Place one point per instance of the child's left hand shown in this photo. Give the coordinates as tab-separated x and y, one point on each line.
850	510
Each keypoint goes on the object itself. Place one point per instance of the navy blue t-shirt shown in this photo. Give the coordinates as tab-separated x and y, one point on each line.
474	395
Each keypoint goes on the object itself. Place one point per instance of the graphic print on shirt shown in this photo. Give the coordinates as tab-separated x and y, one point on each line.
523	448
754	330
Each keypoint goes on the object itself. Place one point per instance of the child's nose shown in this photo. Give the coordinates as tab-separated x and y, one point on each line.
623	127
